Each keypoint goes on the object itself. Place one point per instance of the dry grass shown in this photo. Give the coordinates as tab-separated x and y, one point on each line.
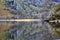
5	12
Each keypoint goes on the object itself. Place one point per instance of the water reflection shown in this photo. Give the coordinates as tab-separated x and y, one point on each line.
30	30
27	31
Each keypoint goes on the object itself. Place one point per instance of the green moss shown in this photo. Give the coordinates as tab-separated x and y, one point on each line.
56	8
3	36
57	33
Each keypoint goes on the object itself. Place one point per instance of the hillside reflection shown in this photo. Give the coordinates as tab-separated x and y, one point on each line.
24	30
